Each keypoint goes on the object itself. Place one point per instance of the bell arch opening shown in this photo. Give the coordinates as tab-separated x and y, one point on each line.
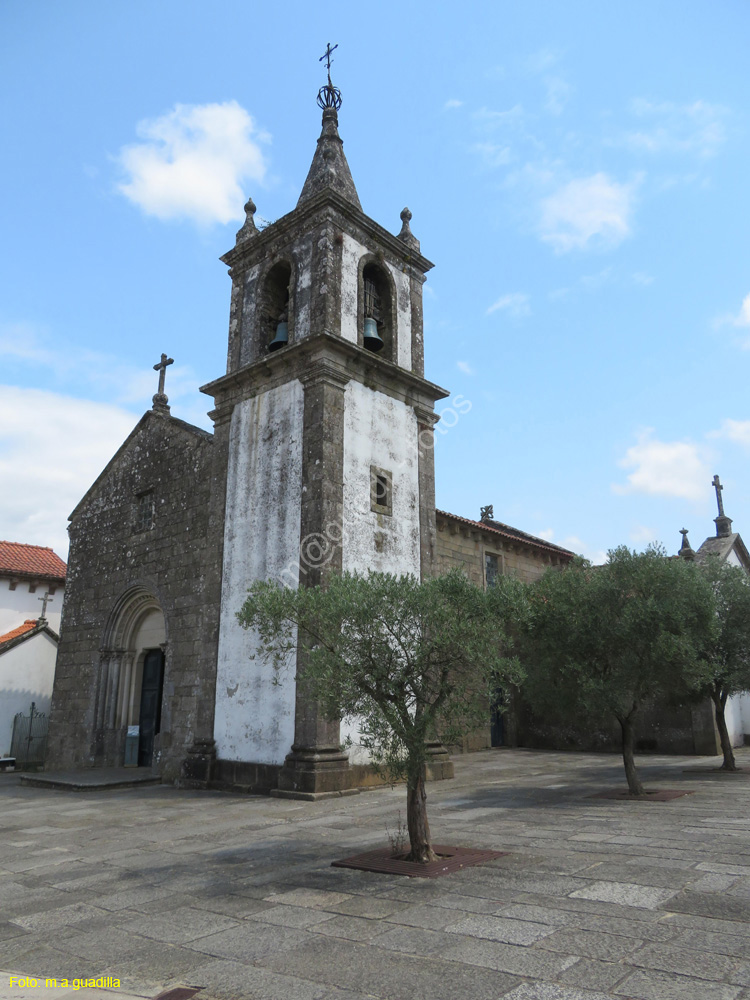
275	313
376	312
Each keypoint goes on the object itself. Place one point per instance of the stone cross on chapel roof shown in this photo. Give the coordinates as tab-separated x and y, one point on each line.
718	487
722	522
45	601
160	399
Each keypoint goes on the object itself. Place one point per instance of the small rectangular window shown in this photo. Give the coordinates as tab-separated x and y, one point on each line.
144	511
490	569
381	490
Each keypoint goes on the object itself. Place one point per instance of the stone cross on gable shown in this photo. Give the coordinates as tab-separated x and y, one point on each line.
45	601
161	400
718	487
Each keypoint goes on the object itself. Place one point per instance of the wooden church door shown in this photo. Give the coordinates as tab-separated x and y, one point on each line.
149	718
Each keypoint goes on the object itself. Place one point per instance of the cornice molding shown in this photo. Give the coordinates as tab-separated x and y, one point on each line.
325	357
244	254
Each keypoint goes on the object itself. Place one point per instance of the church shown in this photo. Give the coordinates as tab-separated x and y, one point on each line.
320	461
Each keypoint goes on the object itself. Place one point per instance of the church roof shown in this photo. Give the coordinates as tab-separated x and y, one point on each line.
329	170
497	527
721	546
37	561
32	626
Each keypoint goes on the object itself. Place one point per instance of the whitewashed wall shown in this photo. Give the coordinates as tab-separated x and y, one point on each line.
18	605
27	672
352	252
254	719
379	431
737	715
403	313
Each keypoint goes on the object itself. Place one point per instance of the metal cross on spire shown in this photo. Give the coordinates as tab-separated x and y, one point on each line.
160	400
718	487
329	96
45	601
327	56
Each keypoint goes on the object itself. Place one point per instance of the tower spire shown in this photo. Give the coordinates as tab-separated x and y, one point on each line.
329	169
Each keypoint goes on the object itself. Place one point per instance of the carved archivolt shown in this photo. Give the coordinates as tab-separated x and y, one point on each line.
117	667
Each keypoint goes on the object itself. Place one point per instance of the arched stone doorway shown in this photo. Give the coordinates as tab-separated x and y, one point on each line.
131	679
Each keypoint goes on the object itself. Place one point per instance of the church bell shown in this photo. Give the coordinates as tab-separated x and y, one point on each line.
372	339
282	336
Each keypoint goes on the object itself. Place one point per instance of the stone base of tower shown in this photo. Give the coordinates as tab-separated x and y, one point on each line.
315	772
197	767
307	773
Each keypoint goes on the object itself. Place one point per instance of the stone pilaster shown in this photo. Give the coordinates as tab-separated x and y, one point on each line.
317	765
426	472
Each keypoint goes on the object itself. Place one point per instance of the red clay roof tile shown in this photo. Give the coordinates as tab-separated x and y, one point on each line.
17	559
27	626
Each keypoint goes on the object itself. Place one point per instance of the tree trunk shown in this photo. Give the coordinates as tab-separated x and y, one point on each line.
721	724
416	821
634	782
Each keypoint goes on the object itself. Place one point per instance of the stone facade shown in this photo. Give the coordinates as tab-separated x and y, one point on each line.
478	549
311	420
126	567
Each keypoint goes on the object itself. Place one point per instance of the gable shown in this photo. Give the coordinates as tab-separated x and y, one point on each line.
154	435
729	549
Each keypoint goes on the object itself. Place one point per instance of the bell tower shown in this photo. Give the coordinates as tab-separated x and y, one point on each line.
326	423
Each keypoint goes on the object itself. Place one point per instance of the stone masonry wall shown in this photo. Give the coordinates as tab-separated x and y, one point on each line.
177	561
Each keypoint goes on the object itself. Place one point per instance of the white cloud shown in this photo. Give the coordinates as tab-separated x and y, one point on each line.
735	430
574	544
558	94
489	120
453	103
465	367
26	346
740	319
664	468
494	154
52	448
678	128
516	304
193	162
589	211
641	278
640	534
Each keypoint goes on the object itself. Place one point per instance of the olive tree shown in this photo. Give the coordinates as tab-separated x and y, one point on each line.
727	651
607	640
410	661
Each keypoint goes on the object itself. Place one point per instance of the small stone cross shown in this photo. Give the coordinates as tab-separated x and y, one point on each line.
45	601
160	400
486	513
718	487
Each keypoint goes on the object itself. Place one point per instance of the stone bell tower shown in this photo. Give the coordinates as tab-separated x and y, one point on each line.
326	420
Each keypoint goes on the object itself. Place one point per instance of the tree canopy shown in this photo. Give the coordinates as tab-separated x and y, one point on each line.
608	639
727	650
412	662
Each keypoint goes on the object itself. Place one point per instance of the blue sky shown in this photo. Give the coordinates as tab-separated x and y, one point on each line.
577	171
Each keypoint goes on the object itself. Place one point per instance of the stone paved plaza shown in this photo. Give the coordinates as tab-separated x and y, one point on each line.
596	898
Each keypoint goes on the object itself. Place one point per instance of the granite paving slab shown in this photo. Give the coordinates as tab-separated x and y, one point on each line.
163	887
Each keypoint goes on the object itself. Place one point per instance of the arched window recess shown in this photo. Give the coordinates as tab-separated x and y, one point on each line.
377	301
275	308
